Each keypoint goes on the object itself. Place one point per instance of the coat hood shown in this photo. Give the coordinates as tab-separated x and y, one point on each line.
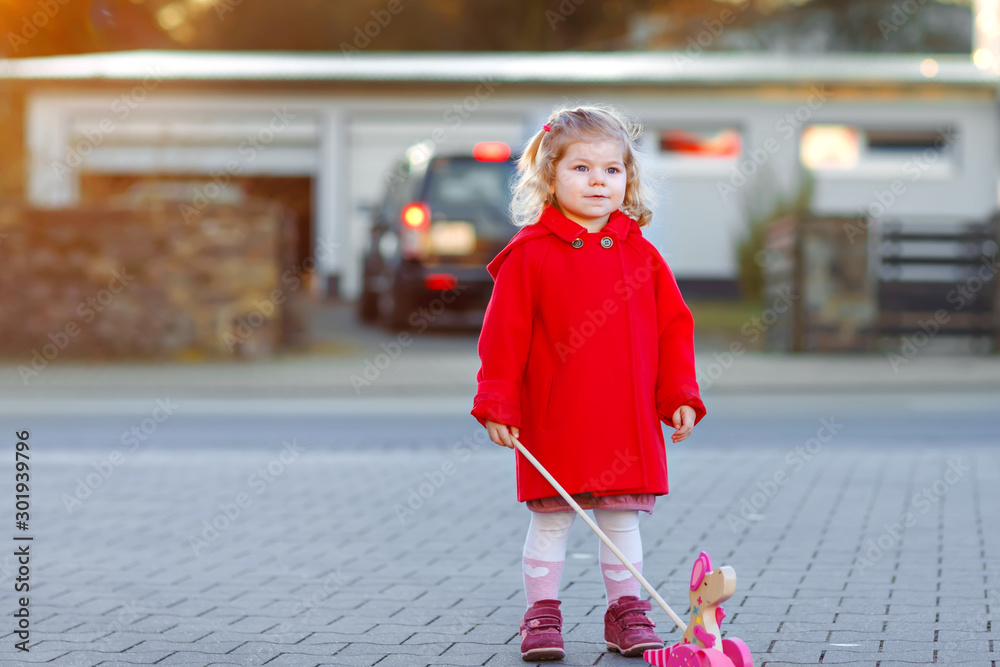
552	221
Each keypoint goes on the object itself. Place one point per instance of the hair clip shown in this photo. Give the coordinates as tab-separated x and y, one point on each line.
546	127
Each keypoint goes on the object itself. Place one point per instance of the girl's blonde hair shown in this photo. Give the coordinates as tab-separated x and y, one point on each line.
536	167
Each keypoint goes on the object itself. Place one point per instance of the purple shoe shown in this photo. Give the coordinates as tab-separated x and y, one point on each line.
627	629
541	632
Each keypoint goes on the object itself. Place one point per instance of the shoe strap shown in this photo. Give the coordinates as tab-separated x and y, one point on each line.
633	620
633	612
542	617
543	622
622	608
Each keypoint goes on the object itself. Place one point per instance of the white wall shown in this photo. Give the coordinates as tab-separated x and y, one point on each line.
965	187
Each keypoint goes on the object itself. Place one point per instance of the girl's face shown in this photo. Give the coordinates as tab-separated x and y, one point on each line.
590	182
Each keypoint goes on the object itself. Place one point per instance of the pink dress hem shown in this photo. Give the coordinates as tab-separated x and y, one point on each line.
643	502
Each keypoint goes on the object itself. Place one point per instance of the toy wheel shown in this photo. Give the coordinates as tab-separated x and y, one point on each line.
738	652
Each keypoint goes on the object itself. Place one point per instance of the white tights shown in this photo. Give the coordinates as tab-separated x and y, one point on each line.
545	552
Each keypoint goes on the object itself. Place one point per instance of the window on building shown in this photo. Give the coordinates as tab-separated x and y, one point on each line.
701	142
847	147
830	147
902	142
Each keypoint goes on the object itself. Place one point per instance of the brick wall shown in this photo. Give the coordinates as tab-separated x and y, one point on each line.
147	283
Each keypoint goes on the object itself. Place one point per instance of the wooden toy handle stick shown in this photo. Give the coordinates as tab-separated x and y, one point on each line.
600	533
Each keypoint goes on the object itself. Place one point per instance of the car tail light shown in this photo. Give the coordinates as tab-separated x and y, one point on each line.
416	215
414	233
491	151
437	282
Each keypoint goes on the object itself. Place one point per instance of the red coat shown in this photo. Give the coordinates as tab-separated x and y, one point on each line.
586	346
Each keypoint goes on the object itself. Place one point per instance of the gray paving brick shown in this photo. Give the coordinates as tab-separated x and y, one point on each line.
36	656
363	649
472	657
373	608
385	633
190	659
393	660
488	634
445	588
291	659
140	657
258	624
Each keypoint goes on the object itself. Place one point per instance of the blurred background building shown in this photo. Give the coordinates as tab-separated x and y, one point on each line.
859	113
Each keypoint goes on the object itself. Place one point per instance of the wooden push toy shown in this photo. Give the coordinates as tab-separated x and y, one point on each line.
702	644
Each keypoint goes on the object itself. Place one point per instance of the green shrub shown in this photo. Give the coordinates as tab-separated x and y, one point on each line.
762	205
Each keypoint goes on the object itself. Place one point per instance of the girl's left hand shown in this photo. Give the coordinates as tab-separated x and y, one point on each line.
683	420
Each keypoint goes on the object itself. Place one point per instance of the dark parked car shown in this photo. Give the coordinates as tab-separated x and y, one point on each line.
442	220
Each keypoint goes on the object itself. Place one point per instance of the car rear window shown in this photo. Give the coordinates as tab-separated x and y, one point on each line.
466	183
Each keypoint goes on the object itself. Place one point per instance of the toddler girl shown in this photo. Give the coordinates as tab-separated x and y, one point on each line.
586	346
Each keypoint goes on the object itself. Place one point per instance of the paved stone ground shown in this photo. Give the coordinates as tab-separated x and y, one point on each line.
321	567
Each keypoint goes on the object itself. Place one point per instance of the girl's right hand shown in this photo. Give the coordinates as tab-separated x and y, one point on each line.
501	434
